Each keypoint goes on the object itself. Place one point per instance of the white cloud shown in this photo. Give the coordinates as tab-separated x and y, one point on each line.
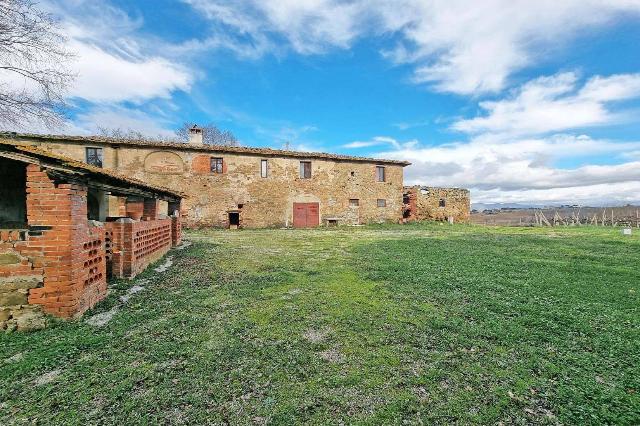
113	62
551	104
525	170
457	46
380	140
108	77
118	117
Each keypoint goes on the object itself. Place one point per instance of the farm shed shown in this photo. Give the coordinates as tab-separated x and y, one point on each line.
66	226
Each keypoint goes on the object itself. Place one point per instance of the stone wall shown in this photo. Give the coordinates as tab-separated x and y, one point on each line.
261	202
21	271
426	203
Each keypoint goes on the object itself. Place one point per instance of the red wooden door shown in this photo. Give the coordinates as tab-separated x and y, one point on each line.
306	215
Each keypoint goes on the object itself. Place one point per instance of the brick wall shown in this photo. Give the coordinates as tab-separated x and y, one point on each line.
137	244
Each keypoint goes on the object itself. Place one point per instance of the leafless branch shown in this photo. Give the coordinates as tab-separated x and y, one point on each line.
211	135
34	60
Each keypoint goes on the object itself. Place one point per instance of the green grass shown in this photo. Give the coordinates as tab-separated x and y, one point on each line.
377	325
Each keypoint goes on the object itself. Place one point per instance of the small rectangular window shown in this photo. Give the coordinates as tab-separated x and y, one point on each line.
442	202
264	168
380	174
382	202
216	165
354	202
305	170
94	156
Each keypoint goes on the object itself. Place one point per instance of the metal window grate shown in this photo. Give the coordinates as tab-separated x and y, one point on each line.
94	156
216	165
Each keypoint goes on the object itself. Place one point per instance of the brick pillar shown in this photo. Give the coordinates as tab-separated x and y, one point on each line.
176	231
122	243
73	255
150	209
134	207
176	222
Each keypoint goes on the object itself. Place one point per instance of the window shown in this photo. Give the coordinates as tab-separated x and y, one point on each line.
94	156
216	165
264	168
380	175
305	170
354	202
382	202
442	202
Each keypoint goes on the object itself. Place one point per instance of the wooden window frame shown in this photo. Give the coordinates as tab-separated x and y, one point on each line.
216	165
384	174
354	202
381	202
264	168
305	166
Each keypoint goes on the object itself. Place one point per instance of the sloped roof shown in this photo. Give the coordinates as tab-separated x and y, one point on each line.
206	148
21	151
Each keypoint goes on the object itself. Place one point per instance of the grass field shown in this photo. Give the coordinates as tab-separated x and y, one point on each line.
375	325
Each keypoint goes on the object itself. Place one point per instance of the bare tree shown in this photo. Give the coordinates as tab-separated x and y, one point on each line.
34	73
211	135
130	135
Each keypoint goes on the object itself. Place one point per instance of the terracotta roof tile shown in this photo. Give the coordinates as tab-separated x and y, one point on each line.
74	165
205	148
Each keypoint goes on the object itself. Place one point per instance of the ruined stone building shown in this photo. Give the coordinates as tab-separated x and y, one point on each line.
249	187
55	256
439	204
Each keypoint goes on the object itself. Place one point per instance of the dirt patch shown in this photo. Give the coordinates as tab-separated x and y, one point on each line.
184	245
47	378
14	358
133	290
332	355
165	266
315	335
102	319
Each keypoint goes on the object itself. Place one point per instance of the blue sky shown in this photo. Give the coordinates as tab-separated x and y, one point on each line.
520	101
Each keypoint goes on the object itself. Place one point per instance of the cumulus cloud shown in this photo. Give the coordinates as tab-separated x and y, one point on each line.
551	104
454	45
108	77
113	63
120	117
526	170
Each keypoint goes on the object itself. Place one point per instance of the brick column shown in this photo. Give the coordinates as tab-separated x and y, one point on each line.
73	254
122	246
134	207
176	231
150	209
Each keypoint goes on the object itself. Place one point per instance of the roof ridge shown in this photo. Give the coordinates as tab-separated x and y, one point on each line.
203	147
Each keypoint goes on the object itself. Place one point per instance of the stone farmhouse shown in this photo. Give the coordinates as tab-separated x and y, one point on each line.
258	187
54	257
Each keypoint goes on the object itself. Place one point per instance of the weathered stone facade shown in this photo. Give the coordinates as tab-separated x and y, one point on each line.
433	203
346	189
21	271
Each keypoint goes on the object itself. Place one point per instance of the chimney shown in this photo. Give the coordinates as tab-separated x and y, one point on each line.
195	135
